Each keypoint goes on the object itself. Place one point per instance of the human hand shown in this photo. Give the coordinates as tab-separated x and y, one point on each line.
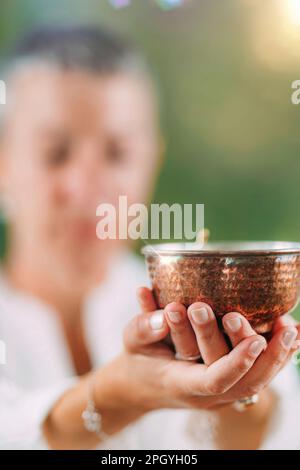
234	369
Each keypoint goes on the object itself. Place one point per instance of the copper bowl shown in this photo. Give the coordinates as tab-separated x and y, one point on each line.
261	280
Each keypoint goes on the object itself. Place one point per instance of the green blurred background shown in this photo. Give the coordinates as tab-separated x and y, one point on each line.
225	70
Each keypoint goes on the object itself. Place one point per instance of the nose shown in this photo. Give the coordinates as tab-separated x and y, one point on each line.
86	182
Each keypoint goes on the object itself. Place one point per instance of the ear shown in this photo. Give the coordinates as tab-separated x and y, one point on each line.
160	153
2	162
162	148
157	166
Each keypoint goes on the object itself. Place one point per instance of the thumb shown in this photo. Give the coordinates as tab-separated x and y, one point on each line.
145	329
146	299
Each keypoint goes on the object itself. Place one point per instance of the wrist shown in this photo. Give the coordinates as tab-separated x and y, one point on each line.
109	388
122	386
262	410
247	429
256	413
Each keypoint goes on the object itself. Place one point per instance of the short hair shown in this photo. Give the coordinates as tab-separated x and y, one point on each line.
91	49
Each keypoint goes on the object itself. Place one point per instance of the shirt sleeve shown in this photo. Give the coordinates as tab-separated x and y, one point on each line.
22	414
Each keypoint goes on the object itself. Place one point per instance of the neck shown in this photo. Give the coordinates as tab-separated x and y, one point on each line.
47	282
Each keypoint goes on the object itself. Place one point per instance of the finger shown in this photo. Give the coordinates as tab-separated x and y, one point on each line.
284	320
237	327
144	329
296	344
270	363
146	299
287	320
223	374
211	342
182	333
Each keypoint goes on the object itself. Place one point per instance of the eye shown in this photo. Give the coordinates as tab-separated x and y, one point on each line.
57	155
116	153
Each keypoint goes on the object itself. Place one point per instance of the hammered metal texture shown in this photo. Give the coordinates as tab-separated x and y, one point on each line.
260	287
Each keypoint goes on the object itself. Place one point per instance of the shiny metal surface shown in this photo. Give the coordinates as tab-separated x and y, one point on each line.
261	280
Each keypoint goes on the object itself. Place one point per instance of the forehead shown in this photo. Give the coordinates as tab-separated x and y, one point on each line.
82	102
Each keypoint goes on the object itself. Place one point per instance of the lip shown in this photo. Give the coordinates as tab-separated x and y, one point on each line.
83	229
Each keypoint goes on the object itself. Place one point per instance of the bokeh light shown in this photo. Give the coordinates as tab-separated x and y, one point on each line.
292	8
276	32
120	3
164	4
168	4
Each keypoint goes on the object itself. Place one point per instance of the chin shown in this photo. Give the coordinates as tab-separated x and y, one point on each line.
83	263
89	266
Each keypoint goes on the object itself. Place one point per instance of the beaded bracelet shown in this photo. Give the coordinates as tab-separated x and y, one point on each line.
92	419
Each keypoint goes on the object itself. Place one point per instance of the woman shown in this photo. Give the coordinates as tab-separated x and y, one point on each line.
81	128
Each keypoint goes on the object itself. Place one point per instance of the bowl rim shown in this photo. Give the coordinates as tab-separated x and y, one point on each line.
223	248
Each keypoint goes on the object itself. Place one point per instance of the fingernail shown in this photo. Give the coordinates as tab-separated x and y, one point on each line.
256	347
234	324
296	345
288	338
157	320
175	317
200	315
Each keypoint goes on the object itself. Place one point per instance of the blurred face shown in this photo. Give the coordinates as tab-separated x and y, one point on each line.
72	141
